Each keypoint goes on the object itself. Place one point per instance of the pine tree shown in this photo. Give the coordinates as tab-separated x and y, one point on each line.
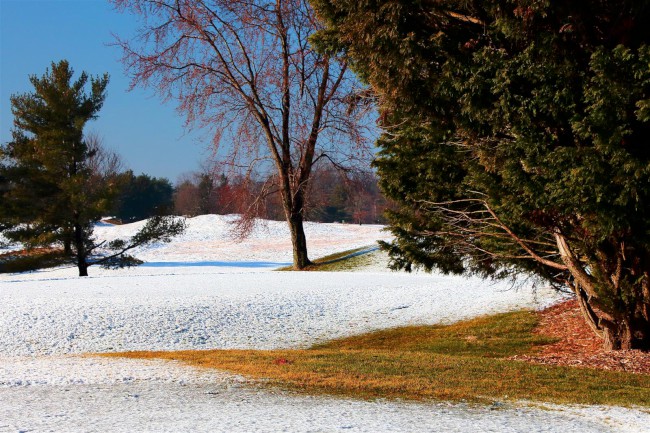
49	170
516	140
143	196
53	195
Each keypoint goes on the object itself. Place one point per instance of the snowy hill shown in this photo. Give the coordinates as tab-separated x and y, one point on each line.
209	240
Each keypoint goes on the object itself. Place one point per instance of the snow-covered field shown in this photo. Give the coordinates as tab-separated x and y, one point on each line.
206	290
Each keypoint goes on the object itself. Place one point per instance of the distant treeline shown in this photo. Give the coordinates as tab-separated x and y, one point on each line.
336	196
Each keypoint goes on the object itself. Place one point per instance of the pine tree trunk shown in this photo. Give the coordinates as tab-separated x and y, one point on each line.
625	328
83	267
615	300
81	250
616	336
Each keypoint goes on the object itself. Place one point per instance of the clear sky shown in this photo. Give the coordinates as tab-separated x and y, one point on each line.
149	135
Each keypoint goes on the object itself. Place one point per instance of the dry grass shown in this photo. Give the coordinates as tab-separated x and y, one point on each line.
343	261
31	259
463	361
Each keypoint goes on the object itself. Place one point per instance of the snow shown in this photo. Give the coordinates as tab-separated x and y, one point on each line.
218	403
209	240
232	310
208	290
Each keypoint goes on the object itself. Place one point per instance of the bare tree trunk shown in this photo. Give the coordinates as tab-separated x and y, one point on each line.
299	242
294	210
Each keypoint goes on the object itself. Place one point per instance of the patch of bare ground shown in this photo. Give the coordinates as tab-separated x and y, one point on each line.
578	346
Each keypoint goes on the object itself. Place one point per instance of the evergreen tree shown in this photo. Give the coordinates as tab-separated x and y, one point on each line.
48	154
517	140
143	196
52	194
206	189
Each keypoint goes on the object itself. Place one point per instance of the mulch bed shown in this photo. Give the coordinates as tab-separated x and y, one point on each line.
579	346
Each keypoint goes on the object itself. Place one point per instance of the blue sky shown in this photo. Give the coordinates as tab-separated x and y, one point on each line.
149	135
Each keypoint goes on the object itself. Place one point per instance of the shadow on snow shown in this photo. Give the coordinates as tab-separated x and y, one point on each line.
214	264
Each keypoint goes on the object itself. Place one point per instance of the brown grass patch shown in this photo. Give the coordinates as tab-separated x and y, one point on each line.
470	360
31	252
31	259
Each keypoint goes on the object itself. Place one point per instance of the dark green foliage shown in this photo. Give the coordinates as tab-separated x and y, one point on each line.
206	193
143	196
517	139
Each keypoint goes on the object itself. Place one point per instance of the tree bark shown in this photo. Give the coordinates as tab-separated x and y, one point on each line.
299	242
293	208
614	300
626	334
622	329
616	336
82	265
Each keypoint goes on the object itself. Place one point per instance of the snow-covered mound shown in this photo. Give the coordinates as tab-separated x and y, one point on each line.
209	239
205	290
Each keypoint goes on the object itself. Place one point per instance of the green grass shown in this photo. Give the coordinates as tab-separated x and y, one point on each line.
463	361
496	336
343	261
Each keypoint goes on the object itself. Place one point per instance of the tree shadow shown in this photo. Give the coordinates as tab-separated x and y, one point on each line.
214	264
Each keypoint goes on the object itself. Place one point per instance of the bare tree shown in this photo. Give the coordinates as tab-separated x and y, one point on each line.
104	165
246	69
186	196
102	162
